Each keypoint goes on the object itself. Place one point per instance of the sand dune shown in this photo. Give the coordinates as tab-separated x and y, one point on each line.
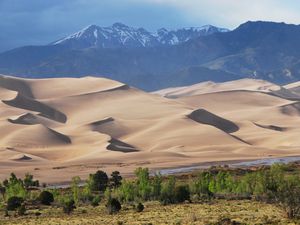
211	87
73	126
295	87
21	157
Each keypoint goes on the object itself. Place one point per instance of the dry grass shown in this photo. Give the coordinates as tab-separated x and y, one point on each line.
247	212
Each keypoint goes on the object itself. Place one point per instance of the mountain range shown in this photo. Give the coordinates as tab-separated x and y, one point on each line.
121	36
261	50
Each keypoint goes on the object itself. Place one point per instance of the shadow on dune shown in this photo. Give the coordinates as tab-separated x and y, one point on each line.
205	117
33	105
291	109
21	158
271	127
117	145
15	84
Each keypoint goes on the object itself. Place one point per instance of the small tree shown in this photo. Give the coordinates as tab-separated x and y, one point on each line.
126	192
14	203
201	185
75	189
98	181
143	183
46	198
68	206
116	179
29	182
168	191
14	187
113	206
156	186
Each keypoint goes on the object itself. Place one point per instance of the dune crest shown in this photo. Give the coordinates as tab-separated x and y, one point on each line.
21	157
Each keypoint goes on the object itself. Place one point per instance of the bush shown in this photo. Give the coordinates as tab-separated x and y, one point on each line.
22	210
14	187
95	201
156	186
140	207
2	191
289	197
168	192
46	198
182	193
113	206
226	221
14	202
126	192
68	206
29	182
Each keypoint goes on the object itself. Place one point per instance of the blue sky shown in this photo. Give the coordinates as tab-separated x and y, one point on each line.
28	22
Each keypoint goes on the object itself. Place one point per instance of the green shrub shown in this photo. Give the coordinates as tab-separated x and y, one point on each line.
289	197
75	189
200	187
95	201
14	202
68	206
22	210
140	207
168	192
29	182
14	187
182	193
143	183
113	206
156	185
126	192
2	191
46	198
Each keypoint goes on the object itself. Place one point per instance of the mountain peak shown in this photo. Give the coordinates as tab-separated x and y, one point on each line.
119	25
263	24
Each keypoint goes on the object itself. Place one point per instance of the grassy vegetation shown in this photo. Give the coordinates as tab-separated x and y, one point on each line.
243	211
266	195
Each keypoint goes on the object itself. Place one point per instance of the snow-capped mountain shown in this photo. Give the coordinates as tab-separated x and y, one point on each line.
120	35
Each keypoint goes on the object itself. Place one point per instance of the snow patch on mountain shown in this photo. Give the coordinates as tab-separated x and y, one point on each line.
121	35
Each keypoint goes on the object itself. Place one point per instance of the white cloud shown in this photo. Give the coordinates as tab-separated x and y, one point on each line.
231	13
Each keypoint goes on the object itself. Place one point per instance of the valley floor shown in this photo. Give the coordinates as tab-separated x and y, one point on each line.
243	211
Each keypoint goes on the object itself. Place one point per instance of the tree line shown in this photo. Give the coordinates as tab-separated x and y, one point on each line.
278	184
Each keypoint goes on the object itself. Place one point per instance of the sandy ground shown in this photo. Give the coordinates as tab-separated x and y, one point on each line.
62	127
